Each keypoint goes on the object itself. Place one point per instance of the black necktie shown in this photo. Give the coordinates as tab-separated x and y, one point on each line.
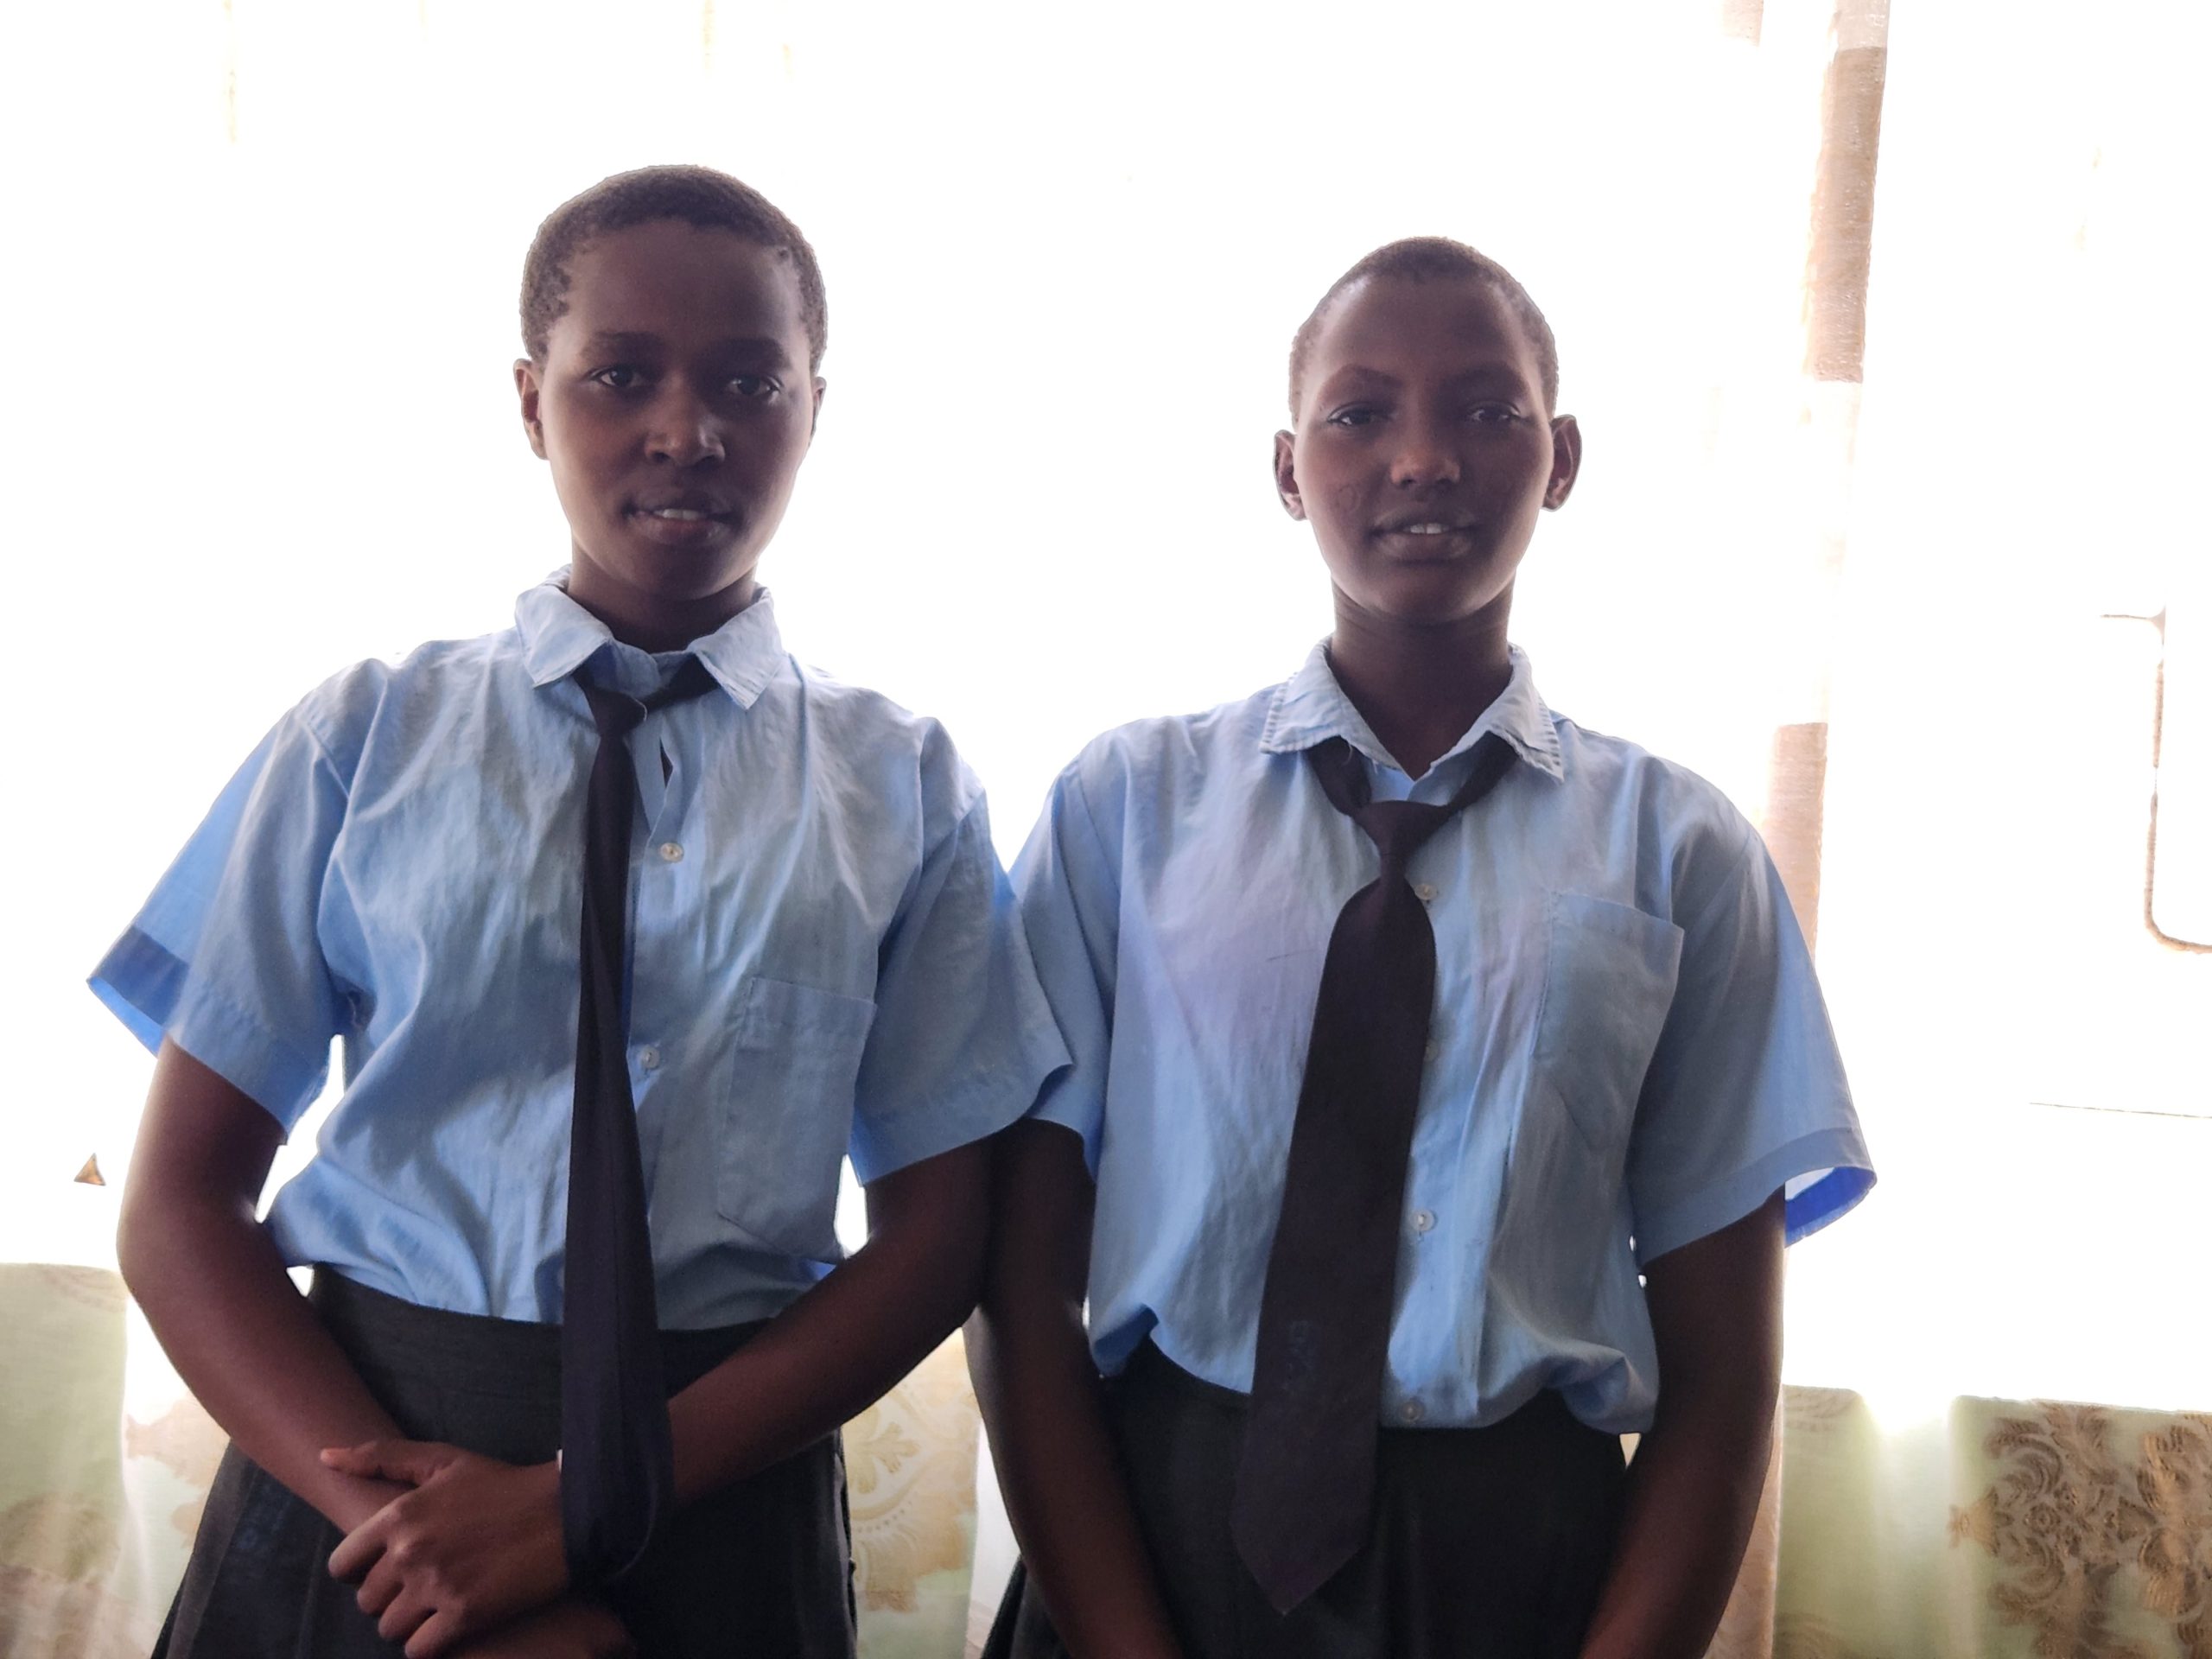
1305	1482
618	1472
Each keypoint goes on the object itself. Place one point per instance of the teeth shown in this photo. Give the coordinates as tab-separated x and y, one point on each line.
1421	529
681	515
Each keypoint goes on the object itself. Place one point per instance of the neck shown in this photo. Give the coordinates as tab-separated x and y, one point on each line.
653	622
1420	686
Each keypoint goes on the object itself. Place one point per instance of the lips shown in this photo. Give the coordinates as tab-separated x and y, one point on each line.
1424	524
683	507
687	519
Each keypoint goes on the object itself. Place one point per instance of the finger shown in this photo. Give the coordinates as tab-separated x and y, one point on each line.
412	1461
381	1587
437	1636
358	1550
404	1618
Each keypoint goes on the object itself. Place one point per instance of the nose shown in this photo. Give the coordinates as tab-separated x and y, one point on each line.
685	430
1425	458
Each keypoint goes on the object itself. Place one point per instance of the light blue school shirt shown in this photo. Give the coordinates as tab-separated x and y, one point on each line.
825	959
1629	1050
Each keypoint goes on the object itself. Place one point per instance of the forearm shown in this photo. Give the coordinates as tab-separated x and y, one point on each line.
1062	1480
1693	1491
1044	1407
240	1335
831	1354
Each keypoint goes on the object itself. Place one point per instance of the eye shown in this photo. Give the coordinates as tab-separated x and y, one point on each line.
1354	414
619	376
1493	415
755	387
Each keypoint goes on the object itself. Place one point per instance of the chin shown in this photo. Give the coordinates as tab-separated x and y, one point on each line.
1425	603
680	576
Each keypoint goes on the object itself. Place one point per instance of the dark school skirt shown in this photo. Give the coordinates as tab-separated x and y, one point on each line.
1489	1543
760	1570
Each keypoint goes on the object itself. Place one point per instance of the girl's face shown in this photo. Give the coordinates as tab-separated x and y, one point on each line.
675	404
1424	449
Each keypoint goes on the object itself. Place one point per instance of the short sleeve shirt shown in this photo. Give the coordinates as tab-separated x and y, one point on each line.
1629	1049
826	960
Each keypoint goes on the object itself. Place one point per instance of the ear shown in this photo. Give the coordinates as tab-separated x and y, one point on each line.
814	420
526	387
1287	491
1566	460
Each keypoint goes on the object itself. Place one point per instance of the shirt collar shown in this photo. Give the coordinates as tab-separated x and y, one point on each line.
559	636
1311	708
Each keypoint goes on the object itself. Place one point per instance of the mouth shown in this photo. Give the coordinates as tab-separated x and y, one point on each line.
1411	524
686	520
1434	539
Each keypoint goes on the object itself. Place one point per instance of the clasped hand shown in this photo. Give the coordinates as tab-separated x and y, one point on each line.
475	1545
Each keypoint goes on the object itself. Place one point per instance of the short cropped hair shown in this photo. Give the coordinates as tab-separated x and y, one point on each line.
694	195
1429	258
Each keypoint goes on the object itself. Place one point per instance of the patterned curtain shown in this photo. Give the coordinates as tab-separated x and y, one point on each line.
1977	863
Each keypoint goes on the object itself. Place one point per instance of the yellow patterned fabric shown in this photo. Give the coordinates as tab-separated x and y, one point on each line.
2002	1530
105	1461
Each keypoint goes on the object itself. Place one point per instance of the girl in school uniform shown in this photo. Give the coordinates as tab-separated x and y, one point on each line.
1447	1079
781	939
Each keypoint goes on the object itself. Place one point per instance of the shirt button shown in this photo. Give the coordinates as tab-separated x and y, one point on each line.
1426	892
1433	1049
670	852
1423	1220
1413	1411
649	1056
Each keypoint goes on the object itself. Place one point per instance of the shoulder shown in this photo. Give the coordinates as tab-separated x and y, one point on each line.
865	732
429	685
1689	838
1167	759
1664	794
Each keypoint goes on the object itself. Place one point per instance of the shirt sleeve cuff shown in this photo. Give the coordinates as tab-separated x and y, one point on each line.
152	992
1824	1173
141	983
973	1111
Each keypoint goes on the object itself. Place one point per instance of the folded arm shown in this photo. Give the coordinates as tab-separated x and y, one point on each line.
477	1542
213	1288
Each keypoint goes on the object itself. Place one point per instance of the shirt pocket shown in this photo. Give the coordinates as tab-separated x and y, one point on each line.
788	1117
1609	981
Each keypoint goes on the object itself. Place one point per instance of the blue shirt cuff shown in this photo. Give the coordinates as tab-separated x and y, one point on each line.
973	1111
1836	1158
152	992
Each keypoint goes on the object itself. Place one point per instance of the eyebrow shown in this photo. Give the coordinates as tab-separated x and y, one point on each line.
1499	370
759	347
